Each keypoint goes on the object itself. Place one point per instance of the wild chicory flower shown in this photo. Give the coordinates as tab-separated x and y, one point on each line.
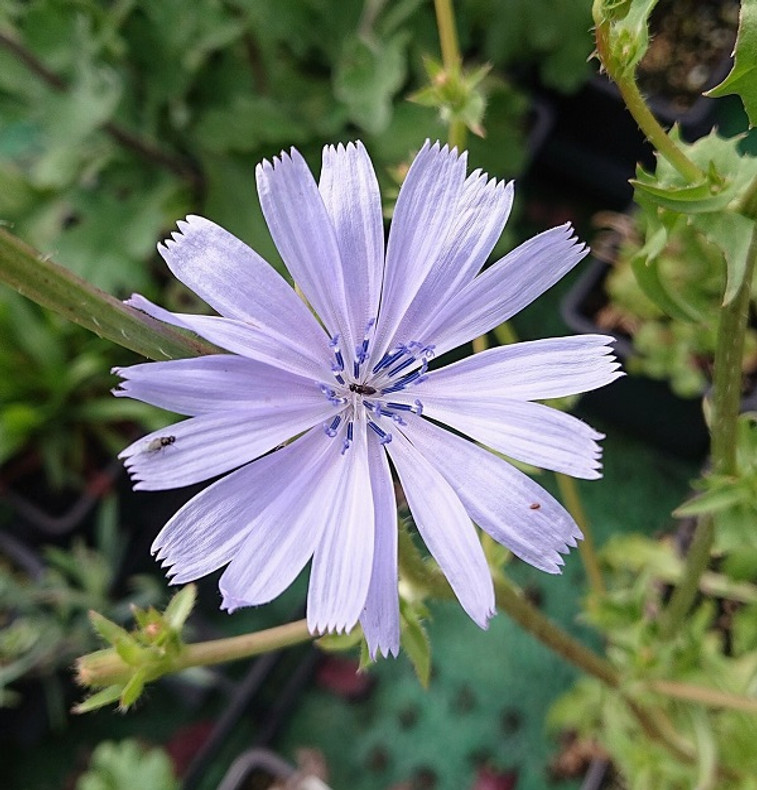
353	392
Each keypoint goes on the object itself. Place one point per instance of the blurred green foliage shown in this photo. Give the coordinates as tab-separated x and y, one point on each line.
715	649
690	270
127	764
55	393
45	602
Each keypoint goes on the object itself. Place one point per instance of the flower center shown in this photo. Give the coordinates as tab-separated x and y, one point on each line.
361	387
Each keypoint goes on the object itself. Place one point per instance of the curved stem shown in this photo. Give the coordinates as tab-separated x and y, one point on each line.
636	105
512	601
653	131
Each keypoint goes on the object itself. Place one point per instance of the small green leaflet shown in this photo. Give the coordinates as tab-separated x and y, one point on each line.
742	79
732	233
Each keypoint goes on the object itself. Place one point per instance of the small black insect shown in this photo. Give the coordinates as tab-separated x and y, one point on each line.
535	506
159	443
362	389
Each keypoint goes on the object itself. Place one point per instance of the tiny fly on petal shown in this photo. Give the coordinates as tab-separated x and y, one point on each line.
159	443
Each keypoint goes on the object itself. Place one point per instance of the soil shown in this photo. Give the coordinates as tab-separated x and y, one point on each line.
689	50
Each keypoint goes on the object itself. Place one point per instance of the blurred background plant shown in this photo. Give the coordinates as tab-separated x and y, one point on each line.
678	347
45	598
126	764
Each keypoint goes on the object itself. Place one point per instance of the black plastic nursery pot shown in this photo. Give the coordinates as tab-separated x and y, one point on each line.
596	141
640	406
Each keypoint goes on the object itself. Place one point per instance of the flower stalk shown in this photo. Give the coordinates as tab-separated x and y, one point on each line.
625	79
726	398
106	667
51	285
452	60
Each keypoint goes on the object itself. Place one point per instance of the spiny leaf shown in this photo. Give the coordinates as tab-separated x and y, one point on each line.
742	79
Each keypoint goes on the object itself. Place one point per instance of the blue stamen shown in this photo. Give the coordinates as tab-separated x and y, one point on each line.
348	440
384	437
389	359
331	395
400	406
331	429
339	378
415	377
356	369
402	366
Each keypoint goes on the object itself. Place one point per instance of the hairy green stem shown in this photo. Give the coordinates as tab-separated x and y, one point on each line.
586	548
726	397
105	667
643	116
445	20
55	287
512	601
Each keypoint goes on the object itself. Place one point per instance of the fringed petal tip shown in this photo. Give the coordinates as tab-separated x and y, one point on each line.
383	650
339	626
230	604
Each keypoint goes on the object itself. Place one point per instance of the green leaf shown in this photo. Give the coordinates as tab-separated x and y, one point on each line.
645	265
108	630
716	498
100	699
727	175
180	607
248	122
132	690
742	79
367	77
732	233
415	642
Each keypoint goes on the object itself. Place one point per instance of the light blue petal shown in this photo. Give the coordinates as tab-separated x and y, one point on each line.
201	447
425	211
209	530
352	199
479	221
445	528
503	501
246	339
236	282
341	572
529	432
505	288
304	235
532	370
286	529
380	619
221	382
